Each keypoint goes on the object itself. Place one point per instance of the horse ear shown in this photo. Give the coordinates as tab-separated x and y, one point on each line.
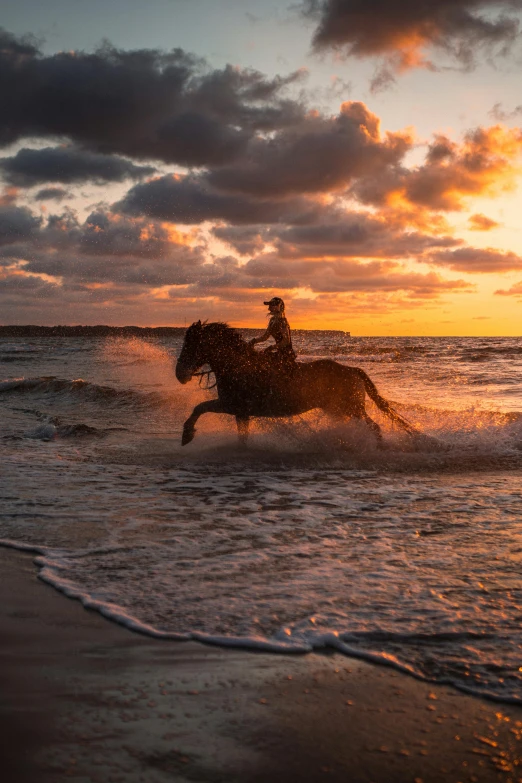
199	322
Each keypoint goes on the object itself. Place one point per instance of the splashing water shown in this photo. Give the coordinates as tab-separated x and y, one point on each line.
311	537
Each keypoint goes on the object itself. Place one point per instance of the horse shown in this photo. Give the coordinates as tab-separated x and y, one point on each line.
252	383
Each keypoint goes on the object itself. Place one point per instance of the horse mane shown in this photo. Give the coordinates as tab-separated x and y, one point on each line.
226	334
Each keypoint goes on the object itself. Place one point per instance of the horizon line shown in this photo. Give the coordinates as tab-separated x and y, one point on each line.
253	328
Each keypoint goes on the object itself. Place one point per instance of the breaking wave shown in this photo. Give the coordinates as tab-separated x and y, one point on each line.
82	390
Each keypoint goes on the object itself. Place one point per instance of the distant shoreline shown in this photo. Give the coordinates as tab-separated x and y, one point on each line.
31	330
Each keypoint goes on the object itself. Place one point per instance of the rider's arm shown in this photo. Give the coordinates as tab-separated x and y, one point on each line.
265	336
261	339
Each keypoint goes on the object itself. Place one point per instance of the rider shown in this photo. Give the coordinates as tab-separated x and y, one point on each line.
279	329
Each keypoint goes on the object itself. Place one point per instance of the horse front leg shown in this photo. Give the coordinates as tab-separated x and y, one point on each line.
242	429
189	428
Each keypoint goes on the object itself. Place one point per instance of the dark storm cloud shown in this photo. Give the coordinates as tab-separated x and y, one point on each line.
190	199
104	248
51	194
403	29
340	275
17	223
426	286
245	97
470	259
319	155
17	288
119	271
356	234
114	260
104	234
246	240
144	103
68	164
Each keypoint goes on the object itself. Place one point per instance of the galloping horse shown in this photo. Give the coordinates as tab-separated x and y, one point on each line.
251	383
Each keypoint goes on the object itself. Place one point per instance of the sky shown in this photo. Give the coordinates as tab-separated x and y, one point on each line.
176	160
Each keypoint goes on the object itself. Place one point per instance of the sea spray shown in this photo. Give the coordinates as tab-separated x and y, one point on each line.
310	537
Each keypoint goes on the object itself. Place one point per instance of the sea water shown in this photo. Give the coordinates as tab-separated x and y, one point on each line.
311	538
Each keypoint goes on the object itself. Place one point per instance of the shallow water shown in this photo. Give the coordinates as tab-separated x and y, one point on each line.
312	537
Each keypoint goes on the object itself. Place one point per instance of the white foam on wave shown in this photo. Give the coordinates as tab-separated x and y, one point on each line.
49	562
292	560
283	642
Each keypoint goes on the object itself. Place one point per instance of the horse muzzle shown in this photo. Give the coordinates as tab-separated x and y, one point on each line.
184	374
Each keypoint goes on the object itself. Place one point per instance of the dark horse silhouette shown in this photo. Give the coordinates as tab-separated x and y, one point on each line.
251	383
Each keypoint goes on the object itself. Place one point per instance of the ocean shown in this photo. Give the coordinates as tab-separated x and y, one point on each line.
313	537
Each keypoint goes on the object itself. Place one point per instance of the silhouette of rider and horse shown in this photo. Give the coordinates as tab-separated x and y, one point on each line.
271	383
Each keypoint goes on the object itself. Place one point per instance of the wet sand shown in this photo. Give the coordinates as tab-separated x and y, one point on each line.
86	700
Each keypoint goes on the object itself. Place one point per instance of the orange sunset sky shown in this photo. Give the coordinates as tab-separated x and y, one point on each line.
177	160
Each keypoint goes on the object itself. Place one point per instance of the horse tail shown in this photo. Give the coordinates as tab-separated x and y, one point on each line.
384	405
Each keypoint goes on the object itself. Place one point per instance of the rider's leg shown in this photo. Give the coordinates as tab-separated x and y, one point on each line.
189	428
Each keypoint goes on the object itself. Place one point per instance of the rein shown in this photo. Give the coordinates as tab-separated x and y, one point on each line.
201	375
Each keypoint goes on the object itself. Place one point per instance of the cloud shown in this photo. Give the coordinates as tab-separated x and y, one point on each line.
484	164
321	154
343	233
246	240
190	199
470	259
276	182
404	31
50	194
479	222
111	259
271	181
17	223
168	106
498	113
344	276
103	248
17	285
68	164
515	290
8	196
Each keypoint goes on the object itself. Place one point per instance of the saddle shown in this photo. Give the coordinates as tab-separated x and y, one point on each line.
280	363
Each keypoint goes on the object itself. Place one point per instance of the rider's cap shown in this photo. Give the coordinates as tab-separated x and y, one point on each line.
276	300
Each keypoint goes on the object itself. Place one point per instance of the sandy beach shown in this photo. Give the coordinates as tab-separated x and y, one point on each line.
87	700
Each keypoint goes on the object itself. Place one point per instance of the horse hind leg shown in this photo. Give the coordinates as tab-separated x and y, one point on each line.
374	427
242	423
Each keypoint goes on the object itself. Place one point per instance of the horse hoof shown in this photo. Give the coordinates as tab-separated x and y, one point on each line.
188	435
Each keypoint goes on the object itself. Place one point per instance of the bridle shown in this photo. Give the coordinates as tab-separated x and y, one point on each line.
201	375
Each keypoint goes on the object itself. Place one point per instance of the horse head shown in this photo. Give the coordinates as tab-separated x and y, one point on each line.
192	355
216	344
